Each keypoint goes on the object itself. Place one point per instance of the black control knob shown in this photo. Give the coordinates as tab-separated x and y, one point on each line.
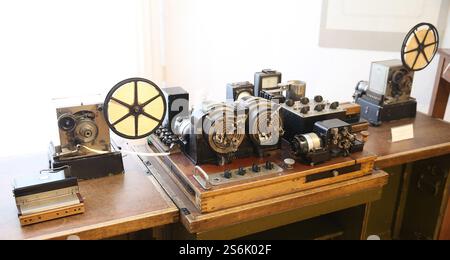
256	168
318	99
334	105
304	101
242	172
290	103
319	108
305	110
269	166
228	174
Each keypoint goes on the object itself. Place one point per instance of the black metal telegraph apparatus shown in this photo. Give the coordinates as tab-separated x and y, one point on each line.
387	96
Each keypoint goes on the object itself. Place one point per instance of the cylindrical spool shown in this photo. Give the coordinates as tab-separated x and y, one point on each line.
303	144
296	91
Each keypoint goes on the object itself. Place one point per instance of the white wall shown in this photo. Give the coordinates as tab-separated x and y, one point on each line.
52	48
210	43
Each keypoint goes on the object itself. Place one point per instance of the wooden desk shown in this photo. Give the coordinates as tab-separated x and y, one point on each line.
114	205
269	214
406	161
432	139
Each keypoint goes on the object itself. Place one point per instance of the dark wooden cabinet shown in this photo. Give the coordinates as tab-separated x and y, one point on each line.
426	200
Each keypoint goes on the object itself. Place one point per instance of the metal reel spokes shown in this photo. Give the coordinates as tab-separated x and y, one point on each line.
420	46
135	108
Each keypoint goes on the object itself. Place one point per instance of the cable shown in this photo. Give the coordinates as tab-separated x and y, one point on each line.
55	169
125	152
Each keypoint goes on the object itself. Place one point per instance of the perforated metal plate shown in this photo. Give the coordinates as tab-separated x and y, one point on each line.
218	179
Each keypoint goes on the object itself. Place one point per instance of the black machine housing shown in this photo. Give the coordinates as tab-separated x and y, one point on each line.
266	79
330	139
198	137
236	91
200	143
177	100
388	96
300	117
35	184
376	113
88	167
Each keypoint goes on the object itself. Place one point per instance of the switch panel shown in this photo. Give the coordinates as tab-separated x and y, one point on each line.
241	174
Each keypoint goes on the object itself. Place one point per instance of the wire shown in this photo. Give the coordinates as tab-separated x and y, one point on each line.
125	152
54	170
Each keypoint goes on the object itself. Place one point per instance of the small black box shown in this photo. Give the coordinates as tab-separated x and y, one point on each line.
91	167
376	114
177	105
41	183
296	124
267	79
236	91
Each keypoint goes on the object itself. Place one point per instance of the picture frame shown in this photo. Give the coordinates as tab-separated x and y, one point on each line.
350	24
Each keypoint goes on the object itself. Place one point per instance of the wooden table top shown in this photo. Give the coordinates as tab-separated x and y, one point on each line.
115	205
432	139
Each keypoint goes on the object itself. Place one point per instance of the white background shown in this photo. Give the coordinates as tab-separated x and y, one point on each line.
211	43
53	48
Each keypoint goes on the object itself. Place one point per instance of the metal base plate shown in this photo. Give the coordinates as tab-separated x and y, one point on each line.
218	179
155	141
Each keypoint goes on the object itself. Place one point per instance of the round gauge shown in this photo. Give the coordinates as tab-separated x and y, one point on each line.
135	108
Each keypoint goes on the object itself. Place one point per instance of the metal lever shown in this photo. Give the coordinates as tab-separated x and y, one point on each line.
202	177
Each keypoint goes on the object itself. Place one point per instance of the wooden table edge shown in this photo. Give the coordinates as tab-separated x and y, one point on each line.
157	218
203	223
396	159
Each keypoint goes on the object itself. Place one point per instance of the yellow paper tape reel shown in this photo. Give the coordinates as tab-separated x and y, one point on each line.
420	46
135	108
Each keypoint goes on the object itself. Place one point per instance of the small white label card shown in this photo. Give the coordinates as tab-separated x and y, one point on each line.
402	133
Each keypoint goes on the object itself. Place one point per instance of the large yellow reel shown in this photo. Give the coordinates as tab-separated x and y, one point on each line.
420	46
135	108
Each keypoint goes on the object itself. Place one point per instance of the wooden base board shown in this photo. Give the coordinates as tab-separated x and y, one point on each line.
52	214
302	177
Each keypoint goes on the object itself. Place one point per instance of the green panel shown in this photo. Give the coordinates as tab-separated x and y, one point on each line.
422	216
382	213
276	221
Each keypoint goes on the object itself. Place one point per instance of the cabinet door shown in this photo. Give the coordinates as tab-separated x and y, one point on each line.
427	198
445	229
